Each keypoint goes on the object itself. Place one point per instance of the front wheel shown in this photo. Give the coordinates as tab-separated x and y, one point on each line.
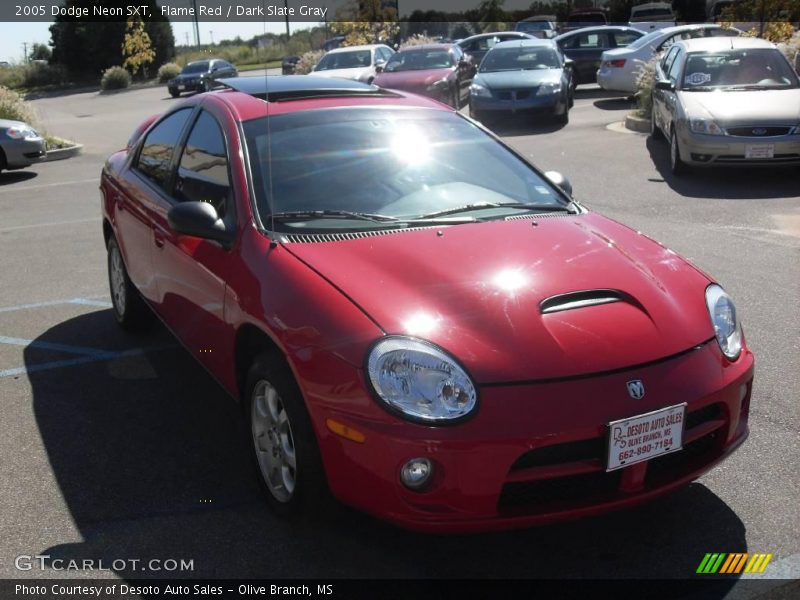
130	309
655	132
563	118
677	166
283	440
174	94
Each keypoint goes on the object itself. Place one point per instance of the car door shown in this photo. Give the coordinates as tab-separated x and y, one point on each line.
662	69
141	186
585	49
670	97
191	271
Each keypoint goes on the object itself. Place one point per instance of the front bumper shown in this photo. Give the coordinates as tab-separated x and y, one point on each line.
717	150
23	153
536	453
515	101
186	86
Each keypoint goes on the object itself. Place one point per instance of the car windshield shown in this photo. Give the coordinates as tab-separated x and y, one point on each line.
519	59
385	167
419	60
345	60
198	67
752	68
586	18
650	38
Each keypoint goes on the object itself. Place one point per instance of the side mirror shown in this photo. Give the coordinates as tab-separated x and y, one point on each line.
665	84
559	180
199	219
379	65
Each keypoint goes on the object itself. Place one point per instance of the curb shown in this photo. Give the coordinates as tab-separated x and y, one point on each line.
63	153
637	123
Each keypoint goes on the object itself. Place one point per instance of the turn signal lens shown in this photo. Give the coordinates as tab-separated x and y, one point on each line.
346	432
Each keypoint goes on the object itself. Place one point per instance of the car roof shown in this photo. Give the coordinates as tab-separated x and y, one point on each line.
529	43
518	34
349	48
254	97
725	43
651	5
427	47
595	28
691	27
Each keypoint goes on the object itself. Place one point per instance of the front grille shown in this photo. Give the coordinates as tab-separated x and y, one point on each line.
34	154
558	491
514	94
703	415
672	466
736	158
757	131
557	454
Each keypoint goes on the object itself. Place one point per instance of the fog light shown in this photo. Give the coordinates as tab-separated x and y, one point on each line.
416	473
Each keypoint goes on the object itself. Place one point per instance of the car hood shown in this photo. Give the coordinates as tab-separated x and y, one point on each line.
189	76
357	73
475	290
518	79
411	79
7	124
744	108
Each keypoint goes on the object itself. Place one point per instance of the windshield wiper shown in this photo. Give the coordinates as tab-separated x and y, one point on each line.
748	88
302	215
483	205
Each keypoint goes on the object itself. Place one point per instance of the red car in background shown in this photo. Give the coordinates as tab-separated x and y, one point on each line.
414	317
439	71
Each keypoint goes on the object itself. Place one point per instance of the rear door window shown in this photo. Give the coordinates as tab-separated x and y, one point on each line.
155	157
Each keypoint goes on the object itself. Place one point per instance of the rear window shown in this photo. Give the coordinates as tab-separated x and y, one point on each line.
345	60
395	162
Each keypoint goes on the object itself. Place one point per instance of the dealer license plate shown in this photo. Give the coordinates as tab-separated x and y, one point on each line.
759	150
646	436
181	87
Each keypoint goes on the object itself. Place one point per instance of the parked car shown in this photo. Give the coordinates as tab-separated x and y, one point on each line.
477	46
333	43
440	71
289	64
359	63
619	68
541	26
588	17
20	145
652	15
585	47
727	102
529	75
362	276
201	76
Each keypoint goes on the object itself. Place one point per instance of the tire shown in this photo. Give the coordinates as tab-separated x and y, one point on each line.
563	118
677	166
128	306
285	450
655	132
207	86
3	163
174	94
454	101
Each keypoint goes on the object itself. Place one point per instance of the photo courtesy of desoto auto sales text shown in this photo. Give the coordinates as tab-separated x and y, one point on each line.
399	300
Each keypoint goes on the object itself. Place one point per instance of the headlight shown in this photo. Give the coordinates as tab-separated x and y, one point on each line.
420	381
548	88
725	321
477	89
21	133
706	126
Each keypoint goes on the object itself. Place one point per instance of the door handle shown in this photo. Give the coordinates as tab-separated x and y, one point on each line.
158	237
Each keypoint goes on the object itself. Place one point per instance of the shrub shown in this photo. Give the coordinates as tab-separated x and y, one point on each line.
168	71
115	78
39	75
645	83
417	40
14	108
308	61
791	48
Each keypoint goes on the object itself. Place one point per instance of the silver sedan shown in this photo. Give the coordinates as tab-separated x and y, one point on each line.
727	101
20	145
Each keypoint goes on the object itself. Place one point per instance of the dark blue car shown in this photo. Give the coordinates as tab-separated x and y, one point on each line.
530	75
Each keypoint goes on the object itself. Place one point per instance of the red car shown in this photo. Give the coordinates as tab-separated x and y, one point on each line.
414	317
439	71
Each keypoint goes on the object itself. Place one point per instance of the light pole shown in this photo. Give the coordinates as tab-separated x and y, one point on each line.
286	6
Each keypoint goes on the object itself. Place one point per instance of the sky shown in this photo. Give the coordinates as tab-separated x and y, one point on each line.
13	35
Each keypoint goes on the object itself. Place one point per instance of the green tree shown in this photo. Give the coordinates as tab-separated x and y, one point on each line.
366	22
87	49
136	49
40	52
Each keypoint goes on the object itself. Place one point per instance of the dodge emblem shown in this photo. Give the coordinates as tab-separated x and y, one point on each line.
759	131
636	389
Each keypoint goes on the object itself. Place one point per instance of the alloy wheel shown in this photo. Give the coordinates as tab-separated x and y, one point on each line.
116	273
273	441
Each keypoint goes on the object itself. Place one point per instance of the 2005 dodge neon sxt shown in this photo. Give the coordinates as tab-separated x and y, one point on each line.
414	317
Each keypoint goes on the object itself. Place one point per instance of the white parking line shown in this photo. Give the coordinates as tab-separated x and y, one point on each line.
21	188
53	224
82	301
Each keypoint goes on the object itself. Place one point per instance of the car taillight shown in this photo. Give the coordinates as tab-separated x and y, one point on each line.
616	64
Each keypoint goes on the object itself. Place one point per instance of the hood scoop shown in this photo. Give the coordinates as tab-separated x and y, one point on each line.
582	299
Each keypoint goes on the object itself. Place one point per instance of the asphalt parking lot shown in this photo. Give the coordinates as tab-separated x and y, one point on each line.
120	446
